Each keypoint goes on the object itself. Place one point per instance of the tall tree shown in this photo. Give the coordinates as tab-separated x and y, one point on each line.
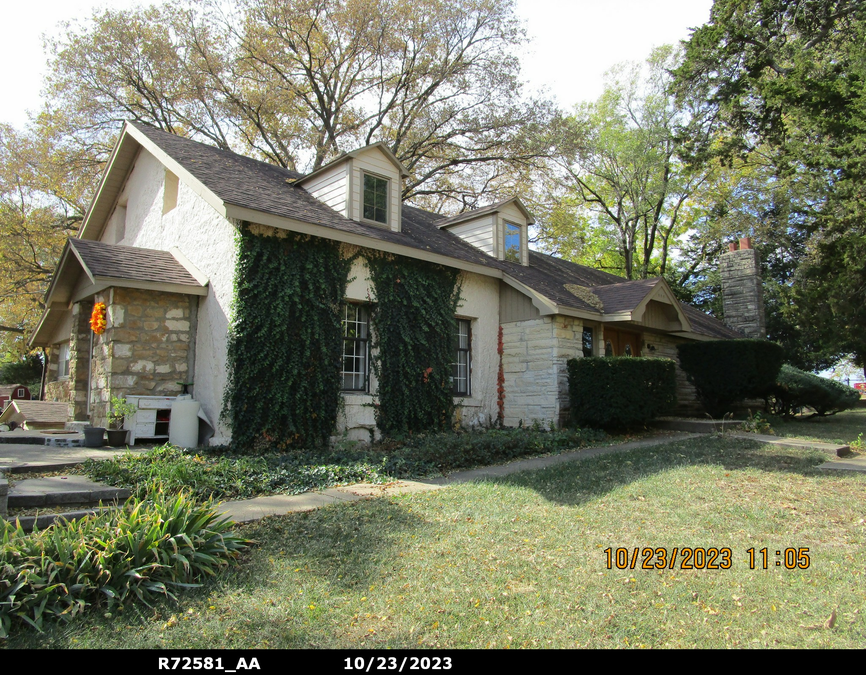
792	75
34	224
624	192
298	82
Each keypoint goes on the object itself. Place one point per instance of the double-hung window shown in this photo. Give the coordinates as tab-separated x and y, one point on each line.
356	347
375	199
460	377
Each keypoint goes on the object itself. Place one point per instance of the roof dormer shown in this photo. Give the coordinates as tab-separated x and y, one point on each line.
365	185
500	230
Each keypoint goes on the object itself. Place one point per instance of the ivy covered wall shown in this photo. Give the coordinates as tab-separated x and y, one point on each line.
413	327
285	341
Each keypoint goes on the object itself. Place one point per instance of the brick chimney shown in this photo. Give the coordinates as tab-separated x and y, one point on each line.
742	291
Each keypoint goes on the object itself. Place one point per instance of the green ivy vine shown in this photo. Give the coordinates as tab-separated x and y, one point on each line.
414	327
285	341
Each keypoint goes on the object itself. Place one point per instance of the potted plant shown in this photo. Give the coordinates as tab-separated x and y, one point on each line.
119	410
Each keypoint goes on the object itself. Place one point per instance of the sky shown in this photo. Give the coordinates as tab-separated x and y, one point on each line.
573	42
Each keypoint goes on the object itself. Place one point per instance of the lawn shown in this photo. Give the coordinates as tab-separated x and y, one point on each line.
840	428
520	562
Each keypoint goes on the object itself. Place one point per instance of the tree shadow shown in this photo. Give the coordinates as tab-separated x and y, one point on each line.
587	480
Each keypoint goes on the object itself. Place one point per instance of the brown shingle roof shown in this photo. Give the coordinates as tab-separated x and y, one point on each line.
130	262
249	183
39	412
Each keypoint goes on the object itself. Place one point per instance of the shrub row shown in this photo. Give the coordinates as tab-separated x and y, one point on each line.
142	551
727	371
796	389
620	391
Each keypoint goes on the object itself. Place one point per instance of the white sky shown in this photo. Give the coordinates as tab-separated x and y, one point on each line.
574	42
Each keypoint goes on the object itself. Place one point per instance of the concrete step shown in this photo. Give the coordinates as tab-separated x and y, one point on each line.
56	490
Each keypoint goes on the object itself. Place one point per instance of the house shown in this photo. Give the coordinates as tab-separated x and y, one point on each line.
13	392
157	249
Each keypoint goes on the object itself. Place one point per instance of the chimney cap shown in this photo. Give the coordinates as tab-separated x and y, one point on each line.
745	243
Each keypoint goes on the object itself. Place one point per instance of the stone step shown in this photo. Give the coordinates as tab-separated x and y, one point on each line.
55	490
28	523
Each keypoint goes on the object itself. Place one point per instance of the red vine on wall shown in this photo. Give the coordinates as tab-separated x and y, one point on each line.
500	383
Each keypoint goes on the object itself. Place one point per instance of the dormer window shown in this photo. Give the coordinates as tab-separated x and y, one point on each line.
512	243
375	199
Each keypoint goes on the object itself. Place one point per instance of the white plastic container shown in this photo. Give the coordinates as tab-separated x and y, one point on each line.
183	429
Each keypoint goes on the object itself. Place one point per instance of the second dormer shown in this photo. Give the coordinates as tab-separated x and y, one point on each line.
500	230
365	185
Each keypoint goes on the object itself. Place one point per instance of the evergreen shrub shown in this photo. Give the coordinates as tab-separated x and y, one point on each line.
621	391
727	371
796	389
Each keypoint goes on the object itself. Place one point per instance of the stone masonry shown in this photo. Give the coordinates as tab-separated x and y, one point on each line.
742	292
143	351
536	378
73	388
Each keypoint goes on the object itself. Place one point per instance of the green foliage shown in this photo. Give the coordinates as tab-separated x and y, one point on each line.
285	341
441	453
620	391
119	409
414	327
757	424
727	371
24	371
796	390
140	552
785	85
212	474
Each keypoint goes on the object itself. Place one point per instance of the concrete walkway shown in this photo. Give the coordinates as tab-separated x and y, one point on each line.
23	457
278	505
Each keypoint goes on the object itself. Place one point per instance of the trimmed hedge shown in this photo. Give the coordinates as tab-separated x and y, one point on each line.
621	391
727	371
796	389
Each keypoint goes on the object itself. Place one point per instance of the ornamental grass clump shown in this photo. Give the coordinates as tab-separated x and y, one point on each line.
141	552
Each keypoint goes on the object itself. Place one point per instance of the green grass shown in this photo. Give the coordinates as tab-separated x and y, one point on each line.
841	428
519	562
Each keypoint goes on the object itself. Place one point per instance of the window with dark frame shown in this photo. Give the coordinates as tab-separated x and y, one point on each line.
460	378
356	351
587	341
375	199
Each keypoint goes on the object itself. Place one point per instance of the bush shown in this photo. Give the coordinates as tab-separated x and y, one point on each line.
796	389
142	551
620	391
727	371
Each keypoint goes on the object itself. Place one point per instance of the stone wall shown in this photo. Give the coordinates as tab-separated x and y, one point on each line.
73	388
536	378
743	292
145	349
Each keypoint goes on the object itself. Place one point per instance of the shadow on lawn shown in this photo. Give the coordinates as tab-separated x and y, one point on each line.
584	481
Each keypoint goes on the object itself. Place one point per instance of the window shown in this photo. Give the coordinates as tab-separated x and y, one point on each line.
356	330
20	393
512	242
63	361
587	341
375	199
460	368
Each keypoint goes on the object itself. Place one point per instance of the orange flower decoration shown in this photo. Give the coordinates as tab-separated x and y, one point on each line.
97	318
